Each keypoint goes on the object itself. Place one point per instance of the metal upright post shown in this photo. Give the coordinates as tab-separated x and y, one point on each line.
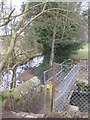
71	62
53	89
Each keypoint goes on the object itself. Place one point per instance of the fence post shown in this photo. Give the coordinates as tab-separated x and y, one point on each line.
53	89
87	64
80	63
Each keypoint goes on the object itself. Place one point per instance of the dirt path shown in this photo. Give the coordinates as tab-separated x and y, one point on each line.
11	114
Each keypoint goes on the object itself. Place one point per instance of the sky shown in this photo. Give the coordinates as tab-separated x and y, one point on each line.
17	3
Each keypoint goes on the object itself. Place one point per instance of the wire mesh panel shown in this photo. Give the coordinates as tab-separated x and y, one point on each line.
81	94
48	75
80	99
71	85
64	88
59	68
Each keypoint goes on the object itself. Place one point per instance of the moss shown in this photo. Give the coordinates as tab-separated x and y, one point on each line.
26	87
41	90
4	95
17	100
28	109
4	102
34	99
3	98
11	90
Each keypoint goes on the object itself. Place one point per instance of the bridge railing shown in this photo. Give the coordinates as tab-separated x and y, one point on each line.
64	66
66	91
69	80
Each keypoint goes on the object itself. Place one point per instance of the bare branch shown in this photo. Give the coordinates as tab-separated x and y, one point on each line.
72	11
11	13
29	23
14	37
64	25
26	10
12	44
8	18
22	54
70	19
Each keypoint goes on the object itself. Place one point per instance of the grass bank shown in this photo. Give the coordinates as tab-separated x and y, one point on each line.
82	53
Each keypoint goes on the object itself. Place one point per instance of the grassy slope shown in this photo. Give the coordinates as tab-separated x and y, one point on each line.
82	53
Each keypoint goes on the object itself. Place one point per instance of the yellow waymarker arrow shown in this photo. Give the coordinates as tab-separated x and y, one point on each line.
48	86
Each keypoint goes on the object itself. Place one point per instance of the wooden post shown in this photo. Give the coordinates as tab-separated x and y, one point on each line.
48	97
53	89
87	64
71	62
80	63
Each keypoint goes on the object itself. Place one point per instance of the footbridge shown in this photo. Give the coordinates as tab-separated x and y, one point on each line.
61	78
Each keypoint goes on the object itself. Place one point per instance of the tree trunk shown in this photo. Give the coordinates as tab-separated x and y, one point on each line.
11	85
53	42
14	77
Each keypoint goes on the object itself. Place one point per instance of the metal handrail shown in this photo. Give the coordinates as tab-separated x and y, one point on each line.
61	64
68	83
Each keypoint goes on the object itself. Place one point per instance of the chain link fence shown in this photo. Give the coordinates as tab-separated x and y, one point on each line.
71	85
59	68
81	94
64	88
